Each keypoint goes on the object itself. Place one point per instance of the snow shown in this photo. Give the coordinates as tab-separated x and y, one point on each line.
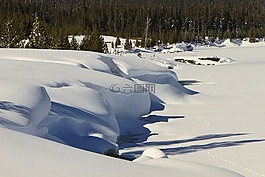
27	156
222	124
190	169
156	157
64	104
82	102
75	58
154	153
203	60
23	106
145	73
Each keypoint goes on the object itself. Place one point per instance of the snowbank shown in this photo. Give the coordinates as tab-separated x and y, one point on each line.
81	117
86	107
75	58
154	78
85	100
23	106
28	156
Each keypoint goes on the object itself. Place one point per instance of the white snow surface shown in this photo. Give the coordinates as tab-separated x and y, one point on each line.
23	155
87	101
28	156
79	100
23	106
222	125
144	72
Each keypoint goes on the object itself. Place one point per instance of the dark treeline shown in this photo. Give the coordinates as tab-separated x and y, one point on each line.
170	20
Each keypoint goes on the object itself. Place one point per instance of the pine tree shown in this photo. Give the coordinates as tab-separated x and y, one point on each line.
105	48
85	43
53	43
213	18
9	38
128	44
38	38
63	43
137	43
93	42
97	41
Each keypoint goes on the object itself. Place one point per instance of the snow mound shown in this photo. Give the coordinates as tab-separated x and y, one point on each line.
124	102
154	153
86	107
133	66
78	122
23	106
155	79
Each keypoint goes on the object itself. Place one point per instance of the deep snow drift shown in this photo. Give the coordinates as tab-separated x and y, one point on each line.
23	106
82	99
90	101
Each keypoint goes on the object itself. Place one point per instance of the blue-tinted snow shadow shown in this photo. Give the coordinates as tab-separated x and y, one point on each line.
189	82
156	106
222	144
9	106
64	124
159	118
178	146
198	138
141	133
69	125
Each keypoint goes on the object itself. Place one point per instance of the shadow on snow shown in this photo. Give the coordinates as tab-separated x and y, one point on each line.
182	149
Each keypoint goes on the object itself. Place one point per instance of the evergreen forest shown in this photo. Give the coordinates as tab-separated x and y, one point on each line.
48	23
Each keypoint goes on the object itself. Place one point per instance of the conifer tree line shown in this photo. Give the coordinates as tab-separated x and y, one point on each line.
52	21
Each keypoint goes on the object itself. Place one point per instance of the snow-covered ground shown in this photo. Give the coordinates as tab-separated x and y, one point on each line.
223	124
102	103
